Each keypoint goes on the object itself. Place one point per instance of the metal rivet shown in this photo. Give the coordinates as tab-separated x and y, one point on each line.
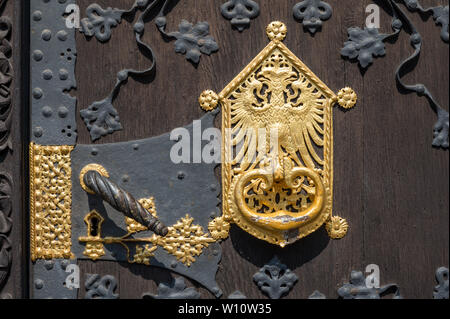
49	265
181	175
47	74
63	74
38	132
64	264
39	284
37	15
47	111
94	151
46	35
37	93
63	111
62	35
38	55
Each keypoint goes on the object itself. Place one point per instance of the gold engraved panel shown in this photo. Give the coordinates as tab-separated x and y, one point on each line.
50	201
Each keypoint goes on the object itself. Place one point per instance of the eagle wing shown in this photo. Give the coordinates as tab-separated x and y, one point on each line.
299	120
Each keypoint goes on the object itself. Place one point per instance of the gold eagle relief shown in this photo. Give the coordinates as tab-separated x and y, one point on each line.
277	152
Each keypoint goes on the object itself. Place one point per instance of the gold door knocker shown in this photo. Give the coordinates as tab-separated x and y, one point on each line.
277	146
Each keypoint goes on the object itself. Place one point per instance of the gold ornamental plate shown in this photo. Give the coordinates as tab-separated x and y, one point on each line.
277	146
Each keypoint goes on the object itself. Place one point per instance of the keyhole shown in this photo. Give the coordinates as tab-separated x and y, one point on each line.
94	226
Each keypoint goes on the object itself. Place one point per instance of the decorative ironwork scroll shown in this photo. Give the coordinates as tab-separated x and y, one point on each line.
439	13
240	12
195	228
365	44
101	287
101	117
357	289
191	40
312	13
275	279
441	290
175	290
185	240
50	202
277	148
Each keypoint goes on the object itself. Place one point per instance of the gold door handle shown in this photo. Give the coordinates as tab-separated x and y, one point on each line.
292	178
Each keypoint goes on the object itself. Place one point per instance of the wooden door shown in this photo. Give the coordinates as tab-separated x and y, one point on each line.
390	183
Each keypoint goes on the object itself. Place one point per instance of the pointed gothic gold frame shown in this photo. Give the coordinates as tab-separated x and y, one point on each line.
284	85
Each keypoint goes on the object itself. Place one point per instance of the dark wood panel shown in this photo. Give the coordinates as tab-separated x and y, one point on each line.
12	161
406	181
390	184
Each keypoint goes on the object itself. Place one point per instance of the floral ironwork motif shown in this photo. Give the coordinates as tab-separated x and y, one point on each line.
101	117
441	290
185	240
312	13
99	21
439	13
176	290
191	40
101	288
364	44
240	12
357	289
368	43
275	279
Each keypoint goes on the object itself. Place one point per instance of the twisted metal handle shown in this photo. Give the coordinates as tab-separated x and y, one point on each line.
122	201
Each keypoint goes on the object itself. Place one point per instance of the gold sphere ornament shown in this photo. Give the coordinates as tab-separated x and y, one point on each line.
208	100
219	228
276	31
347	98
337	227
